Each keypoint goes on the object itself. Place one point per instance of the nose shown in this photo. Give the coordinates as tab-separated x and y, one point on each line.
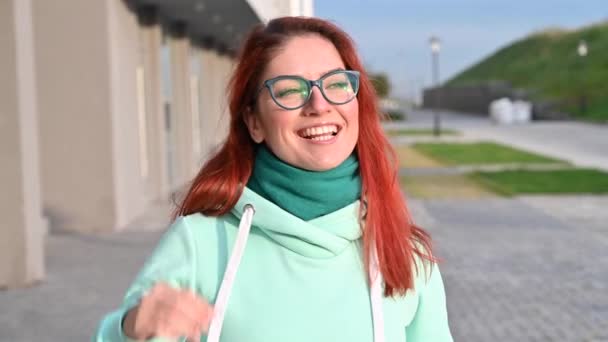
317	105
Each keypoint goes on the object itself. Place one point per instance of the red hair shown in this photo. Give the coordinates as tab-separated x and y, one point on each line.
388	225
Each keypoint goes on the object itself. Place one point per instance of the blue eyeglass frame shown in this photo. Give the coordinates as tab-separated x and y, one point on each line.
310	83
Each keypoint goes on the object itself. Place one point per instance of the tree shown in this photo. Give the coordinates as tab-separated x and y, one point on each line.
381	84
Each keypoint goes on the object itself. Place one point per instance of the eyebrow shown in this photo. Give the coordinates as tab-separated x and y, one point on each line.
332	70
321	75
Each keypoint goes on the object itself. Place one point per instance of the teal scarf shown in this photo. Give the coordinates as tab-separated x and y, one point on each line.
305	194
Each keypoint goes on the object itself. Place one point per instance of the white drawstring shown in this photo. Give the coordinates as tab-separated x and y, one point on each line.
219	309
376	298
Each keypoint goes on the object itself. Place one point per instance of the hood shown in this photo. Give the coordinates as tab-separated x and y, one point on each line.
322	237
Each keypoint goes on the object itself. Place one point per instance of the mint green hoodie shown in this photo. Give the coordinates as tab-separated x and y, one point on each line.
297	281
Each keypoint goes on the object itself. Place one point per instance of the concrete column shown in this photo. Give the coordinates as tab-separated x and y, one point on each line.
224	120
301	8
195	106
92	177
128	150
212	72
182	118
151	37
206	106
209	112
218	99
215	119
22	228
75	128
218	89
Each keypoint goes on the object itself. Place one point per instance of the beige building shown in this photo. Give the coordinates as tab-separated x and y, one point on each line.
107	106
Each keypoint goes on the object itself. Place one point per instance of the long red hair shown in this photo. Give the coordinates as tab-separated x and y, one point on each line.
387	222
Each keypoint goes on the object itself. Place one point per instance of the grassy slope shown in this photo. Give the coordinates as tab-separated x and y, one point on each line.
545	182
548	64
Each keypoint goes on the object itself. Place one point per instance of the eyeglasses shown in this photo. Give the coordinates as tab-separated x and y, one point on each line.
292	92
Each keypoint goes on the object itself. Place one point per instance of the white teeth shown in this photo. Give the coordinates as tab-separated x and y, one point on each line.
322	130
321	138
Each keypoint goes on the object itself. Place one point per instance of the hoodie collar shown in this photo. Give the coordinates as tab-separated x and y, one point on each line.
323	237
304	193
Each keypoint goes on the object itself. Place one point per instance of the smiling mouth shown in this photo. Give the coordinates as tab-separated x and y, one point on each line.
320	133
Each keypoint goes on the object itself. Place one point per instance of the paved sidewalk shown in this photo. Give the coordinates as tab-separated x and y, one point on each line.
531	268
464	169
86	277
525	269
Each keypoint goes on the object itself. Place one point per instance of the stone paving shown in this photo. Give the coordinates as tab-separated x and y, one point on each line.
523	269
86	278
531	268
464	169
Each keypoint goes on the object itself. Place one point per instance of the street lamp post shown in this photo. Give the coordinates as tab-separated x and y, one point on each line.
435	48
583	50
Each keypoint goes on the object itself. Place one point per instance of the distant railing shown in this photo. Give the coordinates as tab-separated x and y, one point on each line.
476	99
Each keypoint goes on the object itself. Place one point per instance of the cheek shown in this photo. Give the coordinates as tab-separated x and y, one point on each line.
352	114
352	119
278	124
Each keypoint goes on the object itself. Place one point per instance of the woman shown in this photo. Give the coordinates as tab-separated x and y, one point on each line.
303	201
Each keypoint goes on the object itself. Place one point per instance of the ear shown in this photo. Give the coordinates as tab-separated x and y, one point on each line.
254	125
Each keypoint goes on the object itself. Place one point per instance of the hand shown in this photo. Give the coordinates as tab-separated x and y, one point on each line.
170	313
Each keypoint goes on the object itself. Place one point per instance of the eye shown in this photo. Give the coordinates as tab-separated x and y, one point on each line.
287	92
289	87
338	85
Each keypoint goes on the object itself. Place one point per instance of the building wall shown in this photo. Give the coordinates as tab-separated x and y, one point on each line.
214	100
75	102
84	95
96	158
157	183
106	150
226	65
22	228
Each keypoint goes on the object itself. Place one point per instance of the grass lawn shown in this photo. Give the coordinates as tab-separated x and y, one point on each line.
545	182
410	158
444	186
479	153
418	131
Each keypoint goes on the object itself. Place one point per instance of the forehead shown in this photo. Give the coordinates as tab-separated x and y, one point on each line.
309	56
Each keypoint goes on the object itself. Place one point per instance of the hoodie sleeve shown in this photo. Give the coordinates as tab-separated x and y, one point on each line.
172	262
430	324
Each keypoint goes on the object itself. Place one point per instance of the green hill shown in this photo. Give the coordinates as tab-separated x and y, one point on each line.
547	64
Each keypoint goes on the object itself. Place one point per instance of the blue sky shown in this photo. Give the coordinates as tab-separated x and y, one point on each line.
392	35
